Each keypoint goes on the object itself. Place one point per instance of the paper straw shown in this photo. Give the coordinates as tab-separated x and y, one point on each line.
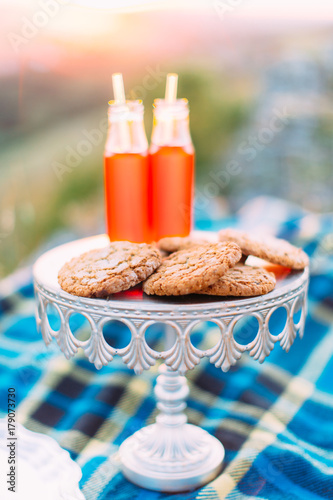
171	87
170	98
118	88
119	98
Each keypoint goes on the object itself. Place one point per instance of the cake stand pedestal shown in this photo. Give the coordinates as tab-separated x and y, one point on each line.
170	455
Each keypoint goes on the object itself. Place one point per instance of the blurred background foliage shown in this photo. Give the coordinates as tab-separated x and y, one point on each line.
55	87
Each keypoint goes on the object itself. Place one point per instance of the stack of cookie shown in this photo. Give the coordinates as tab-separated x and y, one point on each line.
191	266
239	279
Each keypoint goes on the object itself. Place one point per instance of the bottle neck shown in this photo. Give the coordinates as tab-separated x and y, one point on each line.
171	124
126	132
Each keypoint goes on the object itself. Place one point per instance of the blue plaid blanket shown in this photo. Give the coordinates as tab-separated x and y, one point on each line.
275	420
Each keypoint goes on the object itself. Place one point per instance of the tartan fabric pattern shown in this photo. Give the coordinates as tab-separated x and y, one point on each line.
275	420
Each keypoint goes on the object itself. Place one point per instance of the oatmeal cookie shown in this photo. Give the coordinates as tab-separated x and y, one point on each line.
192	269
112	269
272	249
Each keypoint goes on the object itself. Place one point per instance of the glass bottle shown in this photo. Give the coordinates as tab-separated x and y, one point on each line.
171	158
126	174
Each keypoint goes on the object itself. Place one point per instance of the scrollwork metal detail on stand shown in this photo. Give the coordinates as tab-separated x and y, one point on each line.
182	356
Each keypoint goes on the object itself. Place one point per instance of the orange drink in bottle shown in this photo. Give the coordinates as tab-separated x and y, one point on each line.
126	174
171	159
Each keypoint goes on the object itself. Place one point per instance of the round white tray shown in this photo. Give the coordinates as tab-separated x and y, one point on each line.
43	470
170	455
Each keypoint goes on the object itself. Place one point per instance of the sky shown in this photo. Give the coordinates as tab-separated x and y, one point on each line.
27	29
278	9
296	10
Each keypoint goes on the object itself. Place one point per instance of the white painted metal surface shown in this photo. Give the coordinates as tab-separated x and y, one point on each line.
169	455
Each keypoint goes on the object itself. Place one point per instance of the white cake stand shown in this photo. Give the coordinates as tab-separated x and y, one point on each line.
170	455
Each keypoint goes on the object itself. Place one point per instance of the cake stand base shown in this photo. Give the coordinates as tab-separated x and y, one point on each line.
171	455
187	473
